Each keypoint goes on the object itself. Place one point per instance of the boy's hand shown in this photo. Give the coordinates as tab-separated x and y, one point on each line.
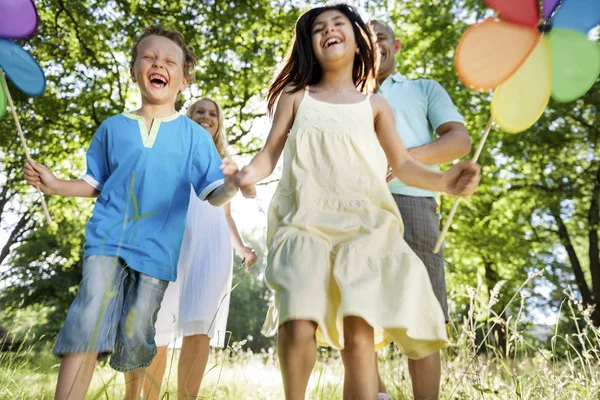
233	178
462	179
39	176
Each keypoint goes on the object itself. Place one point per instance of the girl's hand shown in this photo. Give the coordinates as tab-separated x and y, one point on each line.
462	179
248	255
233	178
39	176
246	179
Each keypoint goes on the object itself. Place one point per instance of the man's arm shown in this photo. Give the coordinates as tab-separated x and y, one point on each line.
453	143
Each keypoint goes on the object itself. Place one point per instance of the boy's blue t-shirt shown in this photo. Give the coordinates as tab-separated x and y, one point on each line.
144	181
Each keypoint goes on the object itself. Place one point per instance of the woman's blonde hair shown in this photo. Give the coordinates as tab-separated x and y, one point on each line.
220	137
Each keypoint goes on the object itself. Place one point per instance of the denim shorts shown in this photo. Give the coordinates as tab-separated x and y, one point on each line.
113	314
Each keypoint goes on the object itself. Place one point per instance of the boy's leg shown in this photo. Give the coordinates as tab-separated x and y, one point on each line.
192	364
90	326
75	375
297	349
360	368
134	346
425	375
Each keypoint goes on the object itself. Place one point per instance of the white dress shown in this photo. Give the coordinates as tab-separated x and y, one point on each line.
198	302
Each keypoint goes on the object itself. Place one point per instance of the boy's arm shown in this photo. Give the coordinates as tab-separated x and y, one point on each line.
221	195
39	176
224	193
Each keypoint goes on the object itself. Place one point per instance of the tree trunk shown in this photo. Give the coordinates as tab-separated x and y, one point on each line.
593	222
15	234
497	335
565	239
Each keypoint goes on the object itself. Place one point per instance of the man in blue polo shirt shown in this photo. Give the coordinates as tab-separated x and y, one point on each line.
434	133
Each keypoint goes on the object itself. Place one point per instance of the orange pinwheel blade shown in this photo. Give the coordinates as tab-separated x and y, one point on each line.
521	100
491	51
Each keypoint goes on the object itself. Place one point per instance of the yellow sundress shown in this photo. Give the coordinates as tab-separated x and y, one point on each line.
335	237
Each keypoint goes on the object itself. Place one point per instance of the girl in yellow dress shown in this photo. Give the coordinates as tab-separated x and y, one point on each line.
342	274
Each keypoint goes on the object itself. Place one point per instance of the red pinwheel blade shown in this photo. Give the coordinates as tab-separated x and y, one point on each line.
522	12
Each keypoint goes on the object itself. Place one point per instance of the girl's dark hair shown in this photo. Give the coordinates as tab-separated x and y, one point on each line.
300	68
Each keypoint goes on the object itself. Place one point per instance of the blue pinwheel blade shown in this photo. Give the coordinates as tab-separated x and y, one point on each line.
21	68
578	15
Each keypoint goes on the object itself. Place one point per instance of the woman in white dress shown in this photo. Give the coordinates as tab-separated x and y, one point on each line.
196	306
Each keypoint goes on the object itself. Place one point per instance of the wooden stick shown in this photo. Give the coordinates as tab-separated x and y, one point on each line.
438	244
22	137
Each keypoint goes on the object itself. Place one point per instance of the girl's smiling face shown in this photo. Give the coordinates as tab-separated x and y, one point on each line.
333	37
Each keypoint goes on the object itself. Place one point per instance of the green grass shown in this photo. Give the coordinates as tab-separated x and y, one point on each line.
474	367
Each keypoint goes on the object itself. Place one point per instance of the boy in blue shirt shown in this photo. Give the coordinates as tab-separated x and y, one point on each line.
140	166
421	108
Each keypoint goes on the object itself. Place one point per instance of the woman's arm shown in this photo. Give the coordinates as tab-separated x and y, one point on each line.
244	252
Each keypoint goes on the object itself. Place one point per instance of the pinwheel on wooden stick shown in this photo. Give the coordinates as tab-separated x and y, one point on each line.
19	20
527	56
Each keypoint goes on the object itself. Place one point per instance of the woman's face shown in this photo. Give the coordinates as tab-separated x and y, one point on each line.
207	115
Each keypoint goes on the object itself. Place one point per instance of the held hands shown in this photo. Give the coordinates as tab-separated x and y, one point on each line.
248	256
39	176
235	178
462	179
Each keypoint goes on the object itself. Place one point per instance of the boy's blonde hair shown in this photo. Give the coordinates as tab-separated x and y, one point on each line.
220	137
189	60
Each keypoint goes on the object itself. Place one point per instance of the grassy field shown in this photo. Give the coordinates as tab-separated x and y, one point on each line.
474	367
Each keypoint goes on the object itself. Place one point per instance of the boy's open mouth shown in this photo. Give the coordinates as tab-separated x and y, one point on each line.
158	80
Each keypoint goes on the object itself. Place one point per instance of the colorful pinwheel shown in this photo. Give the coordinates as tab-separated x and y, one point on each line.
526	56
19	20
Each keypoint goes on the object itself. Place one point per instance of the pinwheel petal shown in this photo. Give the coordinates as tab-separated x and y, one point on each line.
18	19
548	6
2	102
491	51
21	68
520	101
575	64
522	12
579	15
